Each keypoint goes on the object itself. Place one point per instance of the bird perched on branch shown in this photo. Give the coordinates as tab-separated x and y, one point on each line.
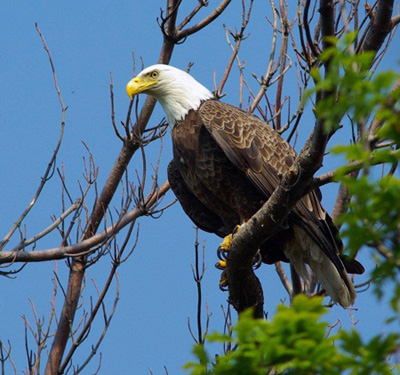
227	163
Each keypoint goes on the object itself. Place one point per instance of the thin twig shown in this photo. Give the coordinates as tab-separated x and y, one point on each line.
183	34
50	228
238	38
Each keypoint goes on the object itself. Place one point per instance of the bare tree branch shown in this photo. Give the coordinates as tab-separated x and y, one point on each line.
190	16
85	246
327	21
50	228
395	20
352	167
284	279
180	35
306	24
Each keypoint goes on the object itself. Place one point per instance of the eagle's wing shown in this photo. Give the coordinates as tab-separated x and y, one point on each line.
250	144
255	148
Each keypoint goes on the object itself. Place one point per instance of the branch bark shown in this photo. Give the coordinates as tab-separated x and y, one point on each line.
380	26
244	287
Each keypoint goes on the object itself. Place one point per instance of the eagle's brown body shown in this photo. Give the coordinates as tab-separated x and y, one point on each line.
226	164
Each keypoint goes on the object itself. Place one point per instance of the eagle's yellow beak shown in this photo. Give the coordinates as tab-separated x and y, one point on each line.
138	84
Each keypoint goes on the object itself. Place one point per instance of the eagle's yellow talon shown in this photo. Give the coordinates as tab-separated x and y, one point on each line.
226	243
222	252
224	246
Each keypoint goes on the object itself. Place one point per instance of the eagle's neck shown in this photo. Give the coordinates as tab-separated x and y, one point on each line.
180	96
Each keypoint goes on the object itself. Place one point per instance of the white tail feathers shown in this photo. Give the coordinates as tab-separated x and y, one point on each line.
303	250
341	291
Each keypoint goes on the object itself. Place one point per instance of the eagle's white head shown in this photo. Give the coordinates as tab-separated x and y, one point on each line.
176	90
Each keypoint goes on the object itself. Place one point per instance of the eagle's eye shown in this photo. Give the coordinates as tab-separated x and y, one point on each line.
154	74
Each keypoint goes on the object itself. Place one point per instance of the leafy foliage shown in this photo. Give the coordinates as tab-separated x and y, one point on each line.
373	215
295	341
348	87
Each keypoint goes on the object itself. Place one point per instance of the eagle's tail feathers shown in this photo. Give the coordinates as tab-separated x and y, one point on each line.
304	251
338	285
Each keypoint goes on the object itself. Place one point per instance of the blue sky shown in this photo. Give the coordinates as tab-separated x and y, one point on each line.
88	40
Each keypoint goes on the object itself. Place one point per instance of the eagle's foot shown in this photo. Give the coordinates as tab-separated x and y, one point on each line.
223	282
221	265
222	253
223	248
257	260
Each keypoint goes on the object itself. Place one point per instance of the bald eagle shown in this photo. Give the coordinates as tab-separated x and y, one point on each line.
227	163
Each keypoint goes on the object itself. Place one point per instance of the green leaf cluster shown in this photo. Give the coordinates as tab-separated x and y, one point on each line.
295	341
373	214
348	87
373	218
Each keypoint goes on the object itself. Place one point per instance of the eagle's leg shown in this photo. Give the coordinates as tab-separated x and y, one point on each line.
223	248
222	253
221	265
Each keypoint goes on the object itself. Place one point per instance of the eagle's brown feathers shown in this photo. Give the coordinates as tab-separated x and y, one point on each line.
230	162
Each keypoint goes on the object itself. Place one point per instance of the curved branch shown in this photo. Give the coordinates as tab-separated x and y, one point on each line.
395	20
75	206
189	17
204	22
306	24
352	167
244	287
